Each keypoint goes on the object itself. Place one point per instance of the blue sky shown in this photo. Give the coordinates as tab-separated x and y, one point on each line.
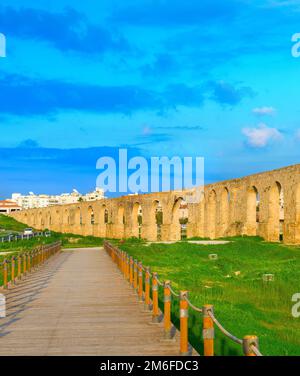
209	78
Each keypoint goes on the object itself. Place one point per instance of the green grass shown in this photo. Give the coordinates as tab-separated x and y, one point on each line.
8	224
14	248
243	303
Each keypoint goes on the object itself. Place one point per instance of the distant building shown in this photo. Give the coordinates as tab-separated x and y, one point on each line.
32	201
8	206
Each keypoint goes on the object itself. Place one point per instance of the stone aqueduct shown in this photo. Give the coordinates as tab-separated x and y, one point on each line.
244	206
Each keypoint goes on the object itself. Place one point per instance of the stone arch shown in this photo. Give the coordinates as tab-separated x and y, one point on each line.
32	219
137	220
252	212
66	217
48	220
40	220
90	216
121	215
211	214
179	219
297	214
78	216
156	220
224	210
276	212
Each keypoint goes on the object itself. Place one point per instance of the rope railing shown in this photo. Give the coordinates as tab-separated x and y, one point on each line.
15	237
17	266
139	278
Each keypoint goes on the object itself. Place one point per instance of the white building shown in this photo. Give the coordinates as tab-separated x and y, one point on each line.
41	201
8	206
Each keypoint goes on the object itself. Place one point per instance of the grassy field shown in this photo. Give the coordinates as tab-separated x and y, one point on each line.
244	304
9	249
8	225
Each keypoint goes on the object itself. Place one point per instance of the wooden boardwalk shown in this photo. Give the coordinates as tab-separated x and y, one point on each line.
78	303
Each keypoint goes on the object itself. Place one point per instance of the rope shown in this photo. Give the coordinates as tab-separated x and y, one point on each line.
256	351
223	330
192	305
173	292
159	282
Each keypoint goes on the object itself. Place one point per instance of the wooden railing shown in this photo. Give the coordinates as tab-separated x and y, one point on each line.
139	278
15	267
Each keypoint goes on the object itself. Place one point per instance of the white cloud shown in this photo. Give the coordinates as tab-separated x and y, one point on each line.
264	111
261	136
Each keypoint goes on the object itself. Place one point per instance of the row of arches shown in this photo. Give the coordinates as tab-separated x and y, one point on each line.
223	210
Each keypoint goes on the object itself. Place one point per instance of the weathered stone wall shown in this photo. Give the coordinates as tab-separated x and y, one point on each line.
227	208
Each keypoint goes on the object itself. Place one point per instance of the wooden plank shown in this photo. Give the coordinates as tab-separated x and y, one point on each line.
79	304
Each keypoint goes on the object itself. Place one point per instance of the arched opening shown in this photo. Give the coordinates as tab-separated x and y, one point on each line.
78	216
224	212
157	218
33	219
253	206
211	214
66	217
91	216
57	217
106	217
49	219
137	220
41	220
180	217
121	215
276	211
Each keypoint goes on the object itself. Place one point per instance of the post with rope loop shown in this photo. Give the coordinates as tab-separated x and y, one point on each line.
140	284
208	332
24	263
19	266
123	262
28	263
167	309
135	276
12	270
248	343
154	298
127	268
184	345
131	270
147	288
5	274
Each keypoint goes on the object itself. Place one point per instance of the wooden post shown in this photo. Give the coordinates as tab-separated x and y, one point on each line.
125	265
128	268
19	266
29	263
154	298
5	274
167	310
140	275
147	288
208	330
122	262
248	342
12	270
24	263
184	344
135	276
131	271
